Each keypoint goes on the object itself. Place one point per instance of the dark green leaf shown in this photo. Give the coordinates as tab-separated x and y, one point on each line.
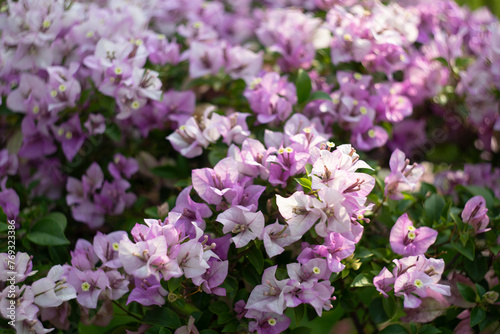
303	85
433	207
389	306
480	290
299	313
428	329
231	327
174	283
113	132
476	316
319	95
224	318
256	258
163	317
468	251
377	312
467	292
464	237
361	280
301	330
152	212
394	329
208	331
476	268
158	330
49	231
218	308
3	227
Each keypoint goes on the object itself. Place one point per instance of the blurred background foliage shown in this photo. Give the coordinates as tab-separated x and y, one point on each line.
493	5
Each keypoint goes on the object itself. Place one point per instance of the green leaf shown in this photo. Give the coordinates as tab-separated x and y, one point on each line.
468	250
166	172
299	313
377	312
394	329
3	227
443	61
224	318
303	85
49	231
231	327
256	259
301	330
464	237
305	183
163	317
389	306
476	316
208	331
480	290
152	212
218	308
467	292
477	267
319	95
433	207
308	168
361	280
428	329
173	283
158	330
113	132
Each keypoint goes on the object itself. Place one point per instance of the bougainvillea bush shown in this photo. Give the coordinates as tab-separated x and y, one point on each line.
239	166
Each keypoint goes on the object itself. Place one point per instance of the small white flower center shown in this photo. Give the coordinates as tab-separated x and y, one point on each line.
347	37
62	88
418	283
118	70
272	322
316	270
53	93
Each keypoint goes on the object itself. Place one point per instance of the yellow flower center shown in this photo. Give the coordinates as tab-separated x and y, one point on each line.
347	37
316	270
53	93
115	246
135	105
272	322
357	76
288	150
85	286
69	135
411	235
90	34
46	24
62	88
36	110
371	133
418	283
363	110
118	71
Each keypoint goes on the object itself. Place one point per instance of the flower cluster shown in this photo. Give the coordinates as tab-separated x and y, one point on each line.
92	198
